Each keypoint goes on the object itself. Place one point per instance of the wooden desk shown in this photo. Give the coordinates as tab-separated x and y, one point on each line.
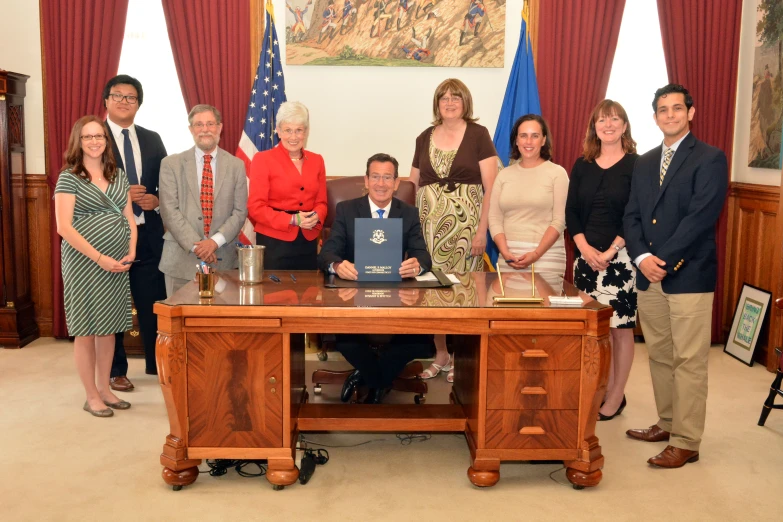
528	385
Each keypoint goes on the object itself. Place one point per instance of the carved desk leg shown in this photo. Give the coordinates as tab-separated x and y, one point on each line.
281	472
178	470
586	471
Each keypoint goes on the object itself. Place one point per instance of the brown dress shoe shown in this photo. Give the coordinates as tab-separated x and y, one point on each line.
652	434
121	383
673	457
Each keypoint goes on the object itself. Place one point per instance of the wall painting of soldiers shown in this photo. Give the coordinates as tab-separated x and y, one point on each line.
403	33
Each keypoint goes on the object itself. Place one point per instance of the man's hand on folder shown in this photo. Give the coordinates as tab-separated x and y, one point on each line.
346	270
410	268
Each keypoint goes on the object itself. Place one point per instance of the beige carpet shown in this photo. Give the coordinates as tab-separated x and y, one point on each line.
62	464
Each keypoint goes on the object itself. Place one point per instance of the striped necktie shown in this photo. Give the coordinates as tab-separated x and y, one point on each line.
206	193
667	159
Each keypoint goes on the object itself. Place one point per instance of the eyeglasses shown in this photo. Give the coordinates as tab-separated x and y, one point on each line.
96	137
377	178
202	125
453	99
117	97
292	132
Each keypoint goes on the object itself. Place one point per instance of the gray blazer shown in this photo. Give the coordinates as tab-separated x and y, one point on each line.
180	208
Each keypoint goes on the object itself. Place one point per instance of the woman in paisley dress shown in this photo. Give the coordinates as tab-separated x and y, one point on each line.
94	217
597	195
454	167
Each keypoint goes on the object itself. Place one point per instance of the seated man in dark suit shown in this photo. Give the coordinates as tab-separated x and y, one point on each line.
377	359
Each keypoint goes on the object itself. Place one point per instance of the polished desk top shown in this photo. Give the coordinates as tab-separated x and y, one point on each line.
475	290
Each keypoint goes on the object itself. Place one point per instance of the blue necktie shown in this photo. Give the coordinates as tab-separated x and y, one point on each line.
380	212
130	166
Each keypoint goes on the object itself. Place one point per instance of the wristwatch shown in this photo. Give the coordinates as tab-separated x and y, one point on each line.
616	247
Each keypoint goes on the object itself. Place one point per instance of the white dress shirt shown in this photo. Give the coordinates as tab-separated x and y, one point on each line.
116	130
218	238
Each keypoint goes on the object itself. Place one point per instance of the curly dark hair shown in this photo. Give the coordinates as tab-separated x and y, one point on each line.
669	89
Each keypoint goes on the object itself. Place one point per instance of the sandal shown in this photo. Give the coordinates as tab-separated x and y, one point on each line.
435	369
450	375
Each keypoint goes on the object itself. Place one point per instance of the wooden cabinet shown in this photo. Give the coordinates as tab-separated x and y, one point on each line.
17	314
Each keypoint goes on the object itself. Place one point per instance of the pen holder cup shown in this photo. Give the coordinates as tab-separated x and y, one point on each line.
251	264
206	284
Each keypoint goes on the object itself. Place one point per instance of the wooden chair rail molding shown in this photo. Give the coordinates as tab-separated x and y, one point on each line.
751	254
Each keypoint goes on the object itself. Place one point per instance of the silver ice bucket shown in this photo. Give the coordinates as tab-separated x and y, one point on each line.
251	264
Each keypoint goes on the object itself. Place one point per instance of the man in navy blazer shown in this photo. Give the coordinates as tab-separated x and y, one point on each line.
677	194
138	152
377	361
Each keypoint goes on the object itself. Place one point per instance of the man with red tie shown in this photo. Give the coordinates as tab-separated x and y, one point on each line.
138	152
203	202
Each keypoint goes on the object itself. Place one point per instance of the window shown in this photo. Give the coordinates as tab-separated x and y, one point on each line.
639	69
146	55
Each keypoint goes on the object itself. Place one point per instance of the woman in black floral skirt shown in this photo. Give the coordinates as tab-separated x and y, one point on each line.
597	195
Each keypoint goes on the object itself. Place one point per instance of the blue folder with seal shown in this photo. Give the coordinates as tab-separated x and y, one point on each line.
378	249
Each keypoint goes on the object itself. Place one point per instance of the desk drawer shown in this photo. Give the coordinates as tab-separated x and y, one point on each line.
545	390
534	352
532	429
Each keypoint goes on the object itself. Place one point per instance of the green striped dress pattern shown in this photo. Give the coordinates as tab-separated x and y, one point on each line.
97	302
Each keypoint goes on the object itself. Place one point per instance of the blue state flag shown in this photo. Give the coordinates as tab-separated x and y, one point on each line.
521	98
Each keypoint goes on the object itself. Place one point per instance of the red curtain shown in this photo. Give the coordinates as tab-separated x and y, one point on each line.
211	46
576	44
701	44
81	41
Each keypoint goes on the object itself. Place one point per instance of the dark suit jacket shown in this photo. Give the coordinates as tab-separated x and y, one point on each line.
340	244
152	153
676	221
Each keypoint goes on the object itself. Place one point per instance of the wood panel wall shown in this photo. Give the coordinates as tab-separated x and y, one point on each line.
38	201
750	251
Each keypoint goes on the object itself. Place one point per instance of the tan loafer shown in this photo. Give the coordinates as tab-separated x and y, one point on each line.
108	412
673	457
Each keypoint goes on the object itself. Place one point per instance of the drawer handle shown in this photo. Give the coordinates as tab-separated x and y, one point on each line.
532	430
533	390
535	353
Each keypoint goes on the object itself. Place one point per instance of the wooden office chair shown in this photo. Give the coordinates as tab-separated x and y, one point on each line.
343	189
774	390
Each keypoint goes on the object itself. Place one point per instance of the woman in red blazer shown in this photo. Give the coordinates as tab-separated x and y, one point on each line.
287	195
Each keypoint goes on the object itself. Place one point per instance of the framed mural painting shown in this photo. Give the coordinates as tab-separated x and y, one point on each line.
749	317
766	111
398	33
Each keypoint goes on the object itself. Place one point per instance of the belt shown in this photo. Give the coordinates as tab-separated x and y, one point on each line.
286	211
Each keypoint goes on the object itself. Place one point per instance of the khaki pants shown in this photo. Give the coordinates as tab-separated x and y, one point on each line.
677	333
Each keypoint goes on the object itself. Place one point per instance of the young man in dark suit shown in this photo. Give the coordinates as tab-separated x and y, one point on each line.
138	152
677	194
377	363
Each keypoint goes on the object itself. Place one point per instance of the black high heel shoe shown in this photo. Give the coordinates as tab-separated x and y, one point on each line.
602	417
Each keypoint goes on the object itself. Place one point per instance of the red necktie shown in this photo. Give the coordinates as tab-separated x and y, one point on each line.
206	194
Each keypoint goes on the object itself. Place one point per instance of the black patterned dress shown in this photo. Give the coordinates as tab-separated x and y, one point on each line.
600	196
97	302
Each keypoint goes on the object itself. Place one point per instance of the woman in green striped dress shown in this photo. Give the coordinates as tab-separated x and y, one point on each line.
95	220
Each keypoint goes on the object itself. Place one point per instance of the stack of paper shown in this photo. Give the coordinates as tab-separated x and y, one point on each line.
565	301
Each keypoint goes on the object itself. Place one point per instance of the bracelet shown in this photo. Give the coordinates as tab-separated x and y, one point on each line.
99	257
617	248
298	220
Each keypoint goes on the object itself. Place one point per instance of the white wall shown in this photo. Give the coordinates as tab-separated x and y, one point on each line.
741	173
358	111
20	52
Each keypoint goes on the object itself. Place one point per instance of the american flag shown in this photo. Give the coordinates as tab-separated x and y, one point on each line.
265	98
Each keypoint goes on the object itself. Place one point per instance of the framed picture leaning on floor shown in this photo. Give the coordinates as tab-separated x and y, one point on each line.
749	316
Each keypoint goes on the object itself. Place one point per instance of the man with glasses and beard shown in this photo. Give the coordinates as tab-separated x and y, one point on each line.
203	202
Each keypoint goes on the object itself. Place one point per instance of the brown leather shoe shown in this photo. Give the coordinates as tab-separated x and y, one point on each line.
652	434
121	383
673	457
